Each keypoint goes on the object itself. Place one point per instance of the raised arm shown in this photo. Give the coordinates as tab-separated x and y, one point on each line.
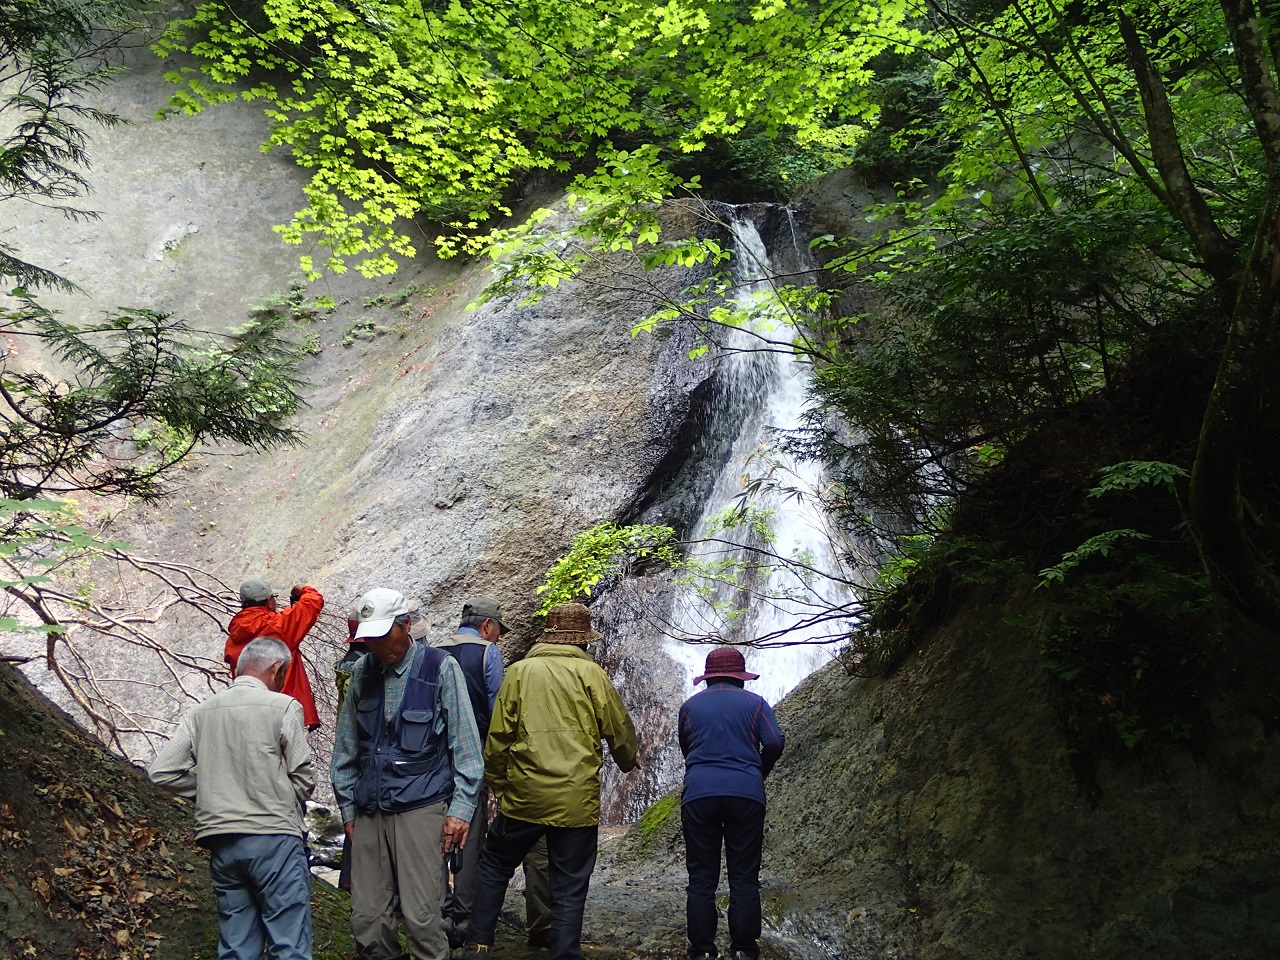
300	616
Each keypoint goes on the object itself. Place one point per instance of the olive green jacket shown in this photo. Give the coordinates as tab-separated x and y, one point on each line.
543	754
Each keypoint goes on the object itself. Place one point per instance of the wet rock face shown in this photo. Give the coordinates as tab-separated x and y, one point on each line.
511	430
652	686
934	814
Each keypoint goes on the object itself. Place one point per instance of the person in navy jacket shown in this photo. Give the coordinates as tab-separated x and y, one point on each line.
730	740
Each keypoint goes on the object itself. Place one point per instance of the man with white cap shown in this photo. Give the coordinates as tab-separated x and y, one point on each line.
407	767
419	625
730	741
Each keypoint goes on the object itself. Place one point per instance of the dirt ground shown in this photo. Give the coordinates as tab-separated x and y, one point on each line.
635	908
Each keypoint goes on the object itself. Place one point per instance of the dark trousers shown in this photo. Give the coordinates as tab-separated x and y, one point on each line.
571	852
737	824
537	893
344	870
457	902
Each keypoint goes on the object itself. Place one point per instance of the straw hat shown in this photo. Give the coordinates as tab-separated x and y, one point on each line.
569	623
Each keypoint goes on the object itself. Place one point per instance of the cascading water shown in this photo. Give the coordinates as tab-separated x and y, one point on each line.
783	626
779	612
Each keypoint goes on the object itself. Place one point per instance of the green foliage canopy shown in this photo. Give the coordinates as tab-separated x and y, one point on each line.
401	109
1109	185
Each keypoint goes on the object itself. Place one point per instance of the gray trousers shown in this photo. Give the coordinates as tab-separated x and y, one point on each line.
397	866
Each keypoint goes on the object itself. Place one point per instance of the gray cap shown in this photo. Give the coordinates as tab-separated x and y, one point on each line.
485	607
255	590
419	624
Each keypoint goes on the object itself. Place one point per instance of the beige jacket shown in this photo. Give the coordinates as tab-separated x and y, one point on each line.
243	756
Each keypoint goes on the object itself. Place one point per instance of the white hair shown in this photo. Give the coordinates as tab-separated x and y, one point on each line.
261	653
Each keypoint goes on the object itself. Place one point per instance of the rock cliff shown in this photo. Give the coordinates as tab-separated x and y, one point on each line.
933	814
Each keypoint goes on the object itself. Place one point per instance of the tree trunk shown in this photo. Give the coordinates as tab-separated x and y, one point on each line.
1222	532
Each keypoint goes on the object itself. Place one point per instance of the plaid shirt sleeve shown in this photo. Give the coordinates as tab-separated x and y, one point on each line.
344	769
464	740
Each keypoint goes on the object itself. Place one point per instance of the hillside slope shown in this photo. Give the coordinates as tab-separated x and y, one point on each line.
95	862
934	814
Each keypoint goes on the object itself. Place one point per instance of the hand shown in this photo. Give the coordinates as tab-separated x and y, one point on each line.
454	834
349	828
295	593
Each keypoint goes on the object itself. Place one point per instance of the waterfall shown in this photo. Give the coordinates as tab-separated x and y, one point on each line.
764	397
659	629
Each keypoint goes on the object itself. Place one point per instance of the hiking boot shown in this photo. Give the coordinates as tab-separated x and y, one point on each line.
457	935
539	939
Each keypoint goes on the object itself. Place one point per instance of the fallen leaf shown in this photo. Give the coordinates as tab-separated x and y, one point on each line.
122	938
41	886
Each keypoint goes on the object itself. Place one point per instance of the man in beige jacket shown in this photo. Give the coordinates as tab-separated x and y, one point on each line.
242	755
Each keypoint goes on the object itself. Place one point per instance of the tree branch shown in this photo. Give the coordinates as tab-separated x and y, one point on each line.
1184	199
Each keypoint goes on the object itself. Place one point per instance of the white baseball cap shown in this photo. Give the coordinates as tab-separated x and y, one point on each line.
377	610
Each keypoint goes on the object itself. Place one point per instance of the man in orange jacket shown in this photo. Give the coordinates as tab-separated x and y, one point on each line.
258	617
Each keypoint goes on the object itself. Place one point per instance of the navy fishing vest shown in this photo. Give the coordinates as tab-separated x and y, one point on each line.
405	764
470	656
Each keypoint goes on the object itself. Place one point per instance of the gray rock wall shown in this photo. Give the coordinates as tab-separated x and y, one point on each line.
934	814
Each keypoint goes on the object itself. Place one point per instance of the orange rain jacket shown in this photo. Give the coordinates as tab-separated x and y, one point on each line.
290	625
